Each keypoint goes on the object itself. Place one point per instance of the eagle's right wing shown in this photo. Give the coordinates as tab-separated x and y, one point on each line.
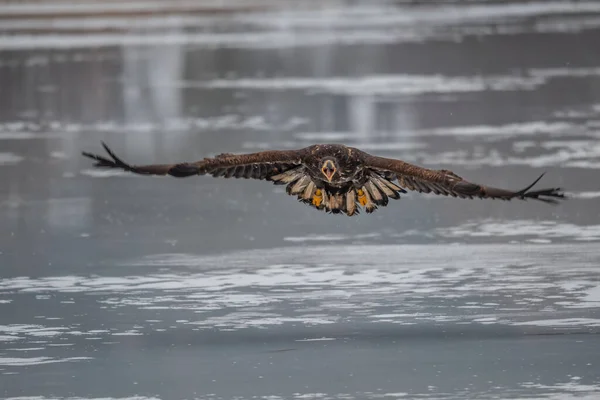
261	165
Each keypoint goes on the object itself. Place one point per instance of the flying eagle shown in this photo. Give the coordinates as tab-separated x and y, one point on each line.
333	177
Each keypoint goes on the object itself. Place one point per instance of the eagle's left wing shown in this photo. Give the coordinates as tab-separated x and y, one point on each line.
444	182
261	165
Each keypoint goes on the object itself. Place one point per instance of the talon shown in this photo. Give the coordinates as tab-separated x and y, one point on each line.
362	199
317	198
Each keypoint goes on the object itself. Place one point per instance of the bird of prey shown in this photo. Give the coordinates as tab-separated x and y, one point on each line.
333	177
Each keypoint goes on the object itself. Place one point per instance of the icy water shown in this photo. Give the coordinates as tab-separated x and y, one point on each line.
116	286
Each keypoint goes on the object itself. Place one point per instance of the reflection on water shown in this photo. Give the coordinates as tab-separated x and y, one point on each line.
174	288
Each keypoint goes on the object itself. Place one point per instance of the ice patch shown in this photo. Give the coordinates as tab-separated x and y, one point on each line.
128	333
245	40
397	84
590	298
328	136
509	130
565	72
10	159
58	129
568	322
32	330
27	349
585	195
107	173
23	362
378	84
574	154
329	238
109	7
380	15
561	391
24	134
546	230
85	398
242	320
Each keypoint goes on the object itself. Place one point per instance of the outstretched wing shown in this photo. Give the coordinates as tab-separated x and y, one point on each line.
447	183
262	165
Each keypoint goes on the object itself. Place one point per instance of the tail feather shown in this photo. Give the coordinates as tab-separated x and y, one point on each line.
351	208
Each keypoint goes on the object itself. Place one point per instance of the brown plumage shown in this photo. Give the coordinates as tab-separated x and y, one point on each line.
333	177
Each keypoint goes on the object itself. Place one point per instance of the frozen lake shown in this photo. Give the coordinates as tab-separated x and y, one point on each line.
114	286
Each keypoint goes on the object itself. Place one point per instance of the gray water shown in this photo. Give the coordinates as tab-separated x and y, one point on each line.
117	286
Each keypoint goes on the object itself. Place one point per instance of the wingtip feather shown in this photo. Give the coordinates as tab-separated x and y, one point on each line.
549	195
522	192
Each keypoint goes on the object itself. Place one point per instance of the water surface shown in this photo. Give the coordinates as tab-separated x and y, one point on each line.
127	287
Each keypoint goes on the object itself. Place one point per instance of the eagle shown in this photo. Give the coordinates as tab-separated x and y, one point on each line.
333	178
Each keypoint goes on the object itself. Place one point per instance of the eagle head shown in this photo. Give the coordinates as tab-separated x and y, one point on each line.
329	168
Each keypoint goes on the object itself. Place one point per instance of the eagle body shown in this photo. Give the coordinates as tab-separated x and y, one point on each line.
349	186
333	177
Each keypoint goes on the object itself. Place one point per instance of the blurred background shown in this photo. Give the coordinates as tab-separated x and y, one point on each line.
122	286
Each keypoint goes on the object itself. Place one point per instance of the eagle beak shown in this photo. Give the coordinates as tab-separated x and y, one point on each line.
328	169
